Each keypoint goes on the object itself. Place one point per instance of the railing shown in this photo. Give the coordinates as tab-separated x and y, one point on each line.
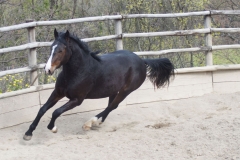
208	48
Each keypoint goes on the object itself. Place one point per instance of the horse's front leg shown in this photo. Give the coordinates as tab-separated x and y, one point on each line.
52	100
69	105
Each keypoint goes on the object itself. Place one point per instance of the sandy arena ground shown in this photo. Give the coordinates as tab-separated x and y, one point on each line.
201	128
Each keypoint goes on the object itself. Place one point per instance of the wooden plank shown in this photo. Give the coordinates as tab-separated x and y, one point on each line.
226	76
154	53
32	57
226	30
225	12
208	40
167	33
14	71
221	47
207	68
171	93
27	90
59	22
17	27
178	71
183	80
25	46
118	31
19	116
192	78
20	70
195	49
169	15
48	44
19	102
101	38
226	87
78	20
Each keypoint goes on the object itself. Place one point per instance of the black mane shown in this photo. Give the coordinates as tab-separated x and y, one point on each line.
84	47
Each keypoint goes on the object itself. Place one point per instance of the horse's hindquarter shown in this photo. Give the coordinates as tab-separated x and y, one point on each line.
116	69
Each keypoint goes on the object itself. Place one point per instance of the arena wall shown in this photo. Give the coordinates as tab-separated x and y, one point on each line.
17	107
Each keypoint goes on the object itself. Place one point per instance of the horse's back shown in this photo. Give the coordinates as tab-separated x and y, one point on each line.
119	54
123	59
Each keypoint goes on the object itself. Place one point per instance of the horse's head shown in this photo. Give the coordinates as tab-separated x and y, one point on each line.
60	52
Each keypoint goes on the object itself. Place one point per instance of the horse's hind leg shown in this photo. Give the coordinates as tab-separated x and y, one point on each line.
112	105
52	100
104	116
94	121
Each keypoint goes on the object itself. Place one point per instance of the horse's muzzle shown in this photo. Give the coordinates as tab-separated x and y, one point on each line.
48	71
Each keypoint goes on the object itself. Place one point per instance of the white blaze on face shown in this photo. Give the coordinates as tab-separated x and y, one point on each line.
49	62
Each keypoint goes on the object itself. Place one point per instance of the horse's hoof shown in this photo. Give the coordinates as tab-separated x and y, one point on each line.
54	130
95	124
27	138
86	128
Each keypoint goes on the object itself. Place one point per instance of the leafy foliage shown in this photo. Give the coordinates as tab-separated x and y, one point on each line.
12	83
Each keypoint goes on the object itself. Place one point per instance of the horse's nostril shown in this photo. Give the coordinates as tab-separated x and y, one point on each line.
49	72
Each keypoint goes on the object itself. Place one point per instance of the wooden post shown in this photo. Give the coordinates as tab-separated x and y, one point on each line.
118	31
32	55
208	40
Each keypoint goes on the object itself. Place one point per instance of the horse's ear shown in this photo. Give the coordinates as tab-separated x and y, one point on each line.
55	33
67	35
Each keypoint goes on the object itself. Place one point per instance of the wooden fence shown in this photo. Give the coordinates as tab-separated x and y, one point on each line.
208	48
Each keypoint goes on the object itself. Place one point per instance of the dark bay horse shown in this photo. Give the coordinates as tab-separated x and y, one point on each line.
85	75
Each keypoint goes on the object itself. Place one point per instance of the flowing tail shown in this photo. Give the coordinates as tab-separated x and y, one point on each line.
159	71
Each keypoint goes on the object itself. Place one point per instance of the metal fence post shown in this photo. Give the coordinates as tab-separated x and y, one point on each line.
208	40
118	31
32	56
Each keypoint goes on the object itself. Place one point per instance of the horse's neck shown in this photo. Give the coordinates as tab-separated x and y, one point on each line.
79	62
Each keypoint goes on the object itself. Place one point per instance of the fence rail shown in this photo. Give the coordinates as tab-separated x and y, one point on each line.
134	35
207	31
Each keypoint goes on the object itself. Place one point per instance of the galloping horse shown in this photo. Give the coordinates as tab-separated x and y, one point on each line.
85	75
